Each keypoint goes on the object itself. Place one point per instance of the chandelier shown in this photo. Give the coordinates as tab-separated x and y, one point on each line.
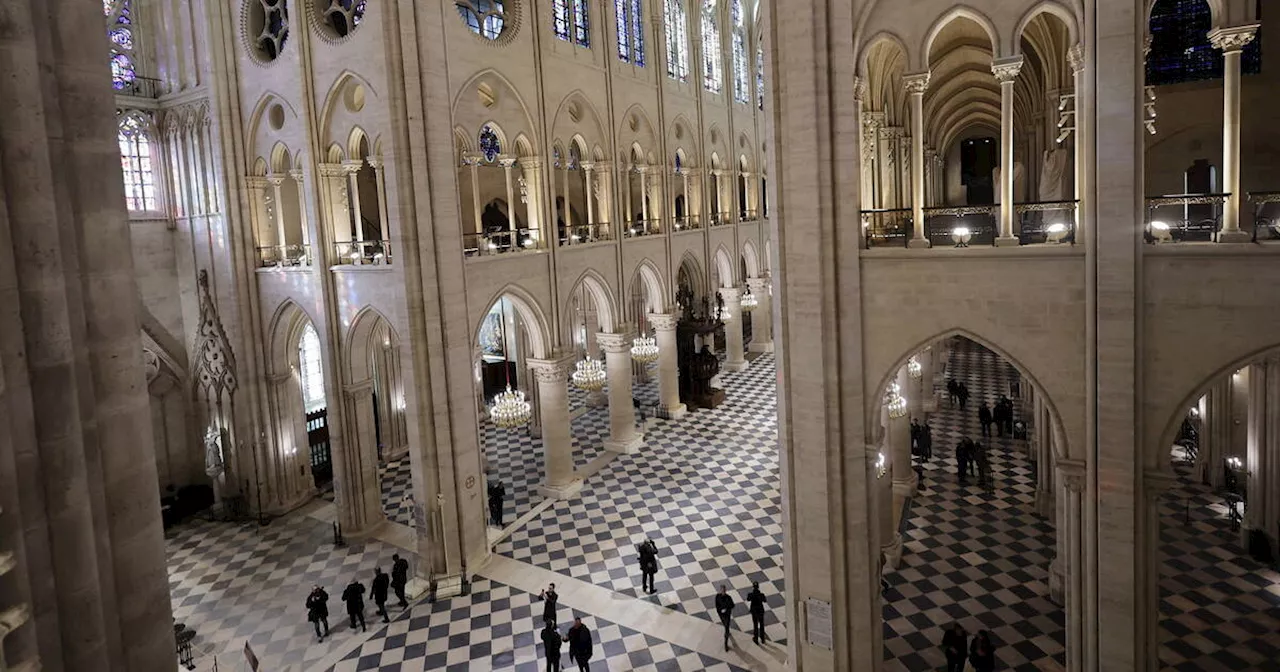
509	409
644	349
748	302
913	368
589	375
881	467
895	402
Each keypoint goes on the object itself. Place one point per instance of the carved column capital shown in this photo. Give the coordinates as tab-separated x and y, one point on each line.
551	370
615	343
662	322
352	166
375	162
916	83
506	160
859	89
1075	55
276	180
730	294
296	174
331	169
531	163
759	286
1234	38
1006	69
1073	474
256	182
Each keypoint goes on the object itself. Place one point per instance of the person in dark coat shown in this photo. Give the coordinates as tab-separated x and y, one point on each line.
953	391
399	577
954	643
318	610
353	596
985	418
916	431
549	599
724	609
648	552
551	641
756	602
982	653
1006	414
378	589
497	500
984	467
926	443
964	396
962	459
998	415
579	638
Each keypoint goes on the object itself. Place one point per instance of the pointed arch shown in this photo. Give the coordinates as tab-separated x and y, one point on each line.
488	94
883	36
606	308
285	330
347	97
724	267
693	270
530	312
1053	8
752	259
578	115
354	139
367	328
961	12
646	273
258	135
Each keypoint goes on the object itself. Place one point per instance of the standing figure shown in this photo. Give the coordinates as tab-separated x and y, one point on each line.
724	609
916	431
579	638
984	467
962	459
954	644
648	552
318	610
985	419
353	596
953	391
551	642
982	653
756	602
497	500
378	589
549	599
926	443
964	395
399	577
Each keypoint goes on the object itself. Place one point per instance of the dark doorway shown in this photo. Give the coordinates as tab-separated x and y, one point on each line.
977	164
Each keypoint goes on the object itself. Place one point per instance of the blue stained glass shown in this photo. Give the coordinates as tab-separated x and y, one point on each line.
1180	46
489	144
624	29
581	31
122	73
677	163
122	37
560	18
637	32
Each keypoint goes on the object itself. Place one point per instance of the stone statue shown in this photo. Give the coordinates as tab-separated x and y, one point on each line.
213	465
1053	175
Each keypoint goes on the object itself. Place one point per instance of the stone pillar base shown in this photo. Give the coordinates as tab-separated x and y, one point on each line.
366	531
566	491
906	488
919	244
1008	242
1057	583
446	587
673	412
1234	237
597	399
893	552
626	447
1045	504
740	365
761	346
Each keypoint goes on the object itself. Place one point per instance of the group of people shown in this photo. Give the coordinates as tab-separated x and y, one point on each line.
578	636
958	393
981	651
968	454
353	596
921	440
1001	416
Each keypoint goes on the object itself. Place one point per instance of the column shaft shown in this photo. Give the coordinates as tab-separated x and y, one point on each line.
762	316
553	404
623	437
734	358
664	329
1006	72
916	85
1231	232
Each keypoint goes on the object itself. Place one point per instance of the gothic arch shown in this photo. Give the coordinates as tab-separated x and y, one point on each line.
587	122
361	338
336	107
598	288
1216	7
285	329
724	267
489	95
532	314
647	274
960	12
751	258
260	136
693	269
1056	9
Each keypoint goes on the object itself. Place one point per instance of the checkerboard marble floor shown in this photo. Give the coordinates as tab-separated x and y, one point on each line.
705	487
974	556
1219	608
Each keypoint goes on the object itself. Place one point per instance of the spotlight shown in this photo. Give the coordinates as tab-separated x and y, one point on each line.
1064	134
528	242
1160	231
961	235
1057	232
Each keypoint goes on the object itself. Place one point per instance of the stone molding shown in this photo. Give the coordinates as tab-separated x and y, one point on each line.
859	89
1073	474
1234	38
916	83
551	370
662	321
1075	55
615	343
1006	69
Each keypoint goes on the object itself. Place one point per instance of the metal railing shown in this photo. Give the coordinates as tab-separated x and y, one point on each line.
643	227
688	223
721	219
284	256
362	253
750	215
1184	217
961	226
500	242
1046	222
142	87
1266	215
886	228
582	234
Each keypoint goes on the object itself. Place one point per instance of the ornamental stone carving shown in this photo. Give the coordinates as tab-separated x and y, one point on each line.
1234	38
551	371
150	364
859	89
618	343
916	83
215	361
1006	69
662	322
1075	55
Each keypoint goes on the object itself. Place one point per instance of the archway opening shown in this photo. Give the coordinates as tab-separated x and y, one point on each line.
380	431
315	407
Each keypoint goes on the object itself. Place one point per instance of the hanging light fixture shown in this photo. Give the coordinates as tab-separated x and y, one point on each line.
509	410
589	375
881	467
895	402
914	369
748	302
644	349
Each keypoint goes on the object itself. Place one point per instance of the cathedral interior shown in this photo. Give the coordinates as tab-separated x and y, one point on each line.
883	319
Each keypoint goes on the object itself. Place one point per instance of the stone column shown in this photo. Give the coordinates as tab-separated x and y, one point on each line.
589	179
1147	617
281	240
916	85
472	162
623	437
734	359
871	123
664	331
508	171
762	316
1215	437
1256	456
890	540
296	174
356	469
1232	42
688	204
1043	449
644	196
352	168
1071	562
557	443
928	399
379	176
257	188
531	195
1075	58
1006	72
1268	498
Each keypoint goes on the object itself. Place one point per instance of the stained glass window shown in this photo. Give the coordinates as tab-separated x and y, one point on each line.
630	20
677	163
311	369
344	15
741	86
570	21
489	144
711	67
137	163
119	15
677	40
484	17
1180	46
760	77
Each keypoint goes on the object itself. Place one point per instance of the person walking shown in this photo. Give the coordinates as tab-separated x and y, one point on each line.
378	589
953	391
998	415
985	419
982	653
318	610
551	641
984	467
926	443
399	577
497	500
756	603
724	608
964	395
954	645
962	459
549	599
915	437
648	552
579	638
353	596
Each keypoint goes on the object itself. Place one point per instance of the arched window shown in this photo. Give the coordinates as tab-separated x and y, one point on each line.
311	370
630	20
1180	46
119	15
484	17
571	23
136	161
760	77
677	40
490	146
741	87
712	77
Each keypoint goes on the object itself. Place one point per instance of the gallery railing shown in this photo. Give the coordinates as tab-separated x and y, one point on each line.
750	215
284	256
1046	222
582	234
643	227
886	227
688	223
721	219
500	242
362	252
1184	217
1266	215
961	226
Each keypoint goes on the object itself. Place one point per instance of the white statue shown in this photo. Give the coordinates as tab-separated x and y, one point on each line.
213	465
1053	176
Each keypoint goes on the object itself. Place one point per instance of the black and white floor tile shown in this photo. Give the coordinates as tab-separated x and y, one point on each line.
705	487
971	555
